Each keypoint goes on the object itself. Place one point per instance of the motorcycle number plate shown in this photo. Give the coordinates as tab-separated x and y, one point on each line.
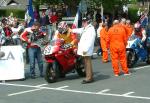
47	50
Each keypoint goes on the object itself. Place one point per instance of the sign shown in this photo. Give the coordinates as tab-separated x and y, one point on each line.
12	64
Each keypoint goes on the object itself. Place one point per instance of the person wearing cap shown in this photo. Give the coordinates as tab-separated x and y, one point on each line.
118	40
2	41
86	46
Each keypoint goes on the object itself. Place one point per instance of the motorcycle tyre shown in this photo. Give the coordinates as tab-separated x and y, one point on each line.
131	55
148	61
80	67
50	76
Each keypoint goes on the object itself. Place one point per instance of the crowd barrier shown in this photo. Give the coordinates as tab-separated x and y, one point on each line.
12	64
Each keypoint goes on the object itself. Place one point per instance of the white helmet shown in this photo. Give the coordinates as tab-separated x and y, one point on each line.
62	27
137	25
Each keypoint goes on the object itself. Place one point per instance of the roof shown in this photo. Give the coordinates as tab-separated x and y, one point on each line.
22	4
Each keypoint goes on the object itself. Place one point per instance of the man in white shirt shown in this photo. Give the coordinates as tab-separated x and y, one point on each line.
86	46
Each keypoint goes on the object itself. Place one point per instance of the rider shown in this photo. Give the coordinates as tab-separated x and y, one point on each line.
64	33
140	32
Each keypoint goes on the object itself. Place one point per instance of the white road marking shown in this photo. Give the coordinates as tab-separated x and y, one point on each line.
75	91
13	94
41	85
127	94
141	67
62	87
103	91
27	91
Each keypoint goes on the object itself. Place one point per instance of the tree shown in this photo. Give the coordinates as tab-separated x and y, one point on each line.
72	4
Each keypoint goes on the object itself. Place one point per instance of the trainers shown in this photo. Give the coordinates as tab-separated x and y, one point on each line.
116	75
105	61
126	74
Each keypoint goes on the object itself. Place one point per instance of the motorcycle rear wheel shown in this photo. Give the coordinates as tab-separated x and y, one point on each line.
51	74
131	58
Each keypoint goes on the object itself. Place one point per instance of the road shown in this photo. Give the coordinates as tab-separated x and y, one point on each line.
107	88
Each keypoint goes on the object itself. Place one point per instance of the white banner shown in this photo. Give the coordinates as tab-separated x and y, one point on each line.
12	64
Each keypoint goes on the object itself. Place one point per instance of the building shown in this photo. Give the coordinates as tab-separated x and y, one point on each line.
13	4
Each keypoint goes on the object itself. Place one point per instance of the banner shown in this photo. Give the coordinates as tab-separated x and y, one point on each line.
12	64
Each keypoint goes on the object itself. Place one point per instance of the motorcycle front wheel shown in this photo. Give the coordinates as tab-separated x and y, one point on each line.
80	67
52	72
131	59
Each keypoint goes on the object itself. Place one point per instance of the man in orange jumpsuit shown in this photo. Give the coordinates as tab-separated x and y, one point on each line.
123	24
118	40
104	42
129	28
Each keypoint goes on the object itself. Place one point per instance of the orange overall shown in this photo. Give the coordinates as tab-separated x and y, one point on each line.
118	40
104	43
129	30
126	30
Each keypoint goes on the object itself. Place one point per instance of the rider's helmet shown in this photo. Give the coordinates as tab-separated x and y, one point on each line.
62	27
137	27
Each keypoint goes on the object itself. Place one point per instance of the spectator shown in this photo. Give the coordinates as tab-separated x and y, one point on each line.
34	51
44	19
139	13
68	11
54	20
8	33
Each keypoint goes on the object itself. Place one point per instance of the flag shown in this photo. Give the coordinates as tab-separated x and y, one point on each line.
75	22
29	15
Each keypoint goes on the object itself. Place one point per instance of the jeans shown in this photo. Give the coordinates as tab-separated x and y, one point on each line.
35	53
17	41
50	32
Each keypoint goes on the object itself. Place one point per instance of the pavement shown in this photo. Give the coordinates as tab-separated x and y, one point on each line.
107	88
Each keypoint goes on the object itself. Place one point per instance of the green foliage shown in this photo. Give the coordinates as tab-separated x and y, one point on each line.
17	13
133	14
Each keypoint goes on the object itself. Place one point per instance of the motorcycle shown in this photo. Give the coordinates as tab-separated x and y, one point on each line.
136	51
61	59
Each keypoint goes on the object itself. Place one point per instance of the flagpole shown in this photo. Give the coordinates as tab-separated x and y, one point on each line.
102	14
